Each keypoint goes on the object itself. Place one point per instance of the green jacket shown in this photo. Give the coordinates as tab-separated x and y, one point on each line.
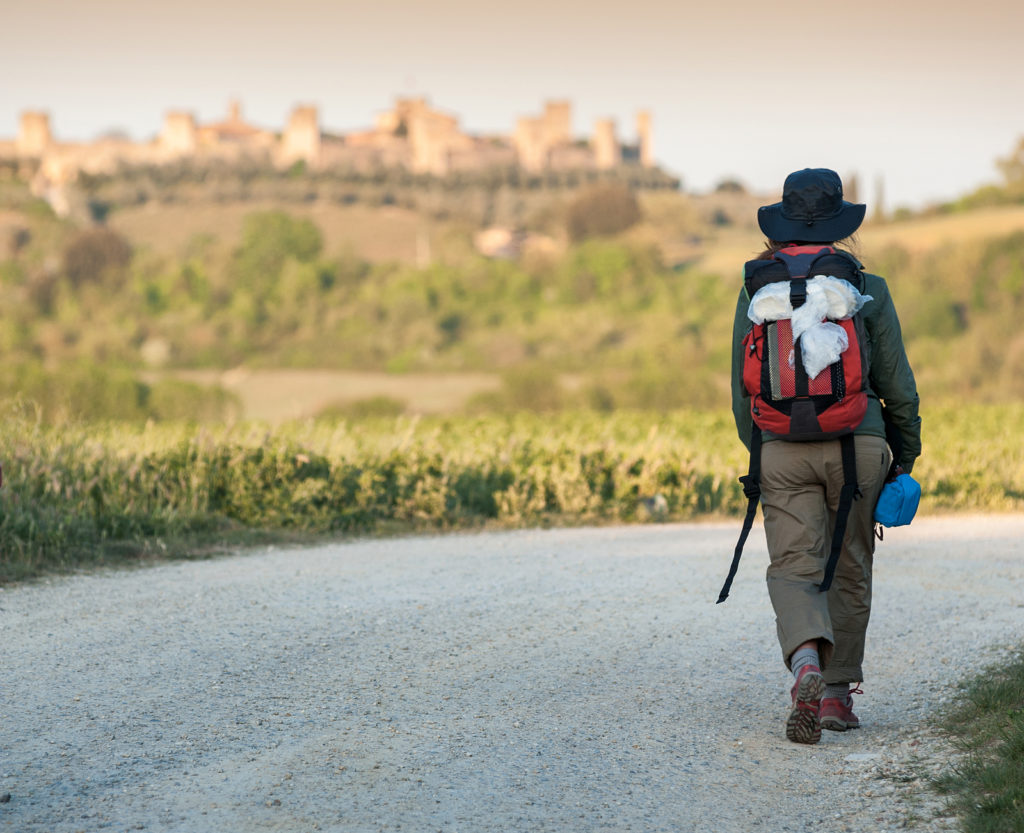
890	378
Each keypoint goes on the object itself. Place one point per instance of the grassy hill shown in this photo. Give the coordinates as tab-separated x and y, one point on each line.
223	279
382	234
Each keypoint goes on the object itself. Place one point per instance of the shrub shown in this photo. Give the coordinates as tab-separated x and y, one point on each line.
371	407
527	388
601	210
96	255
269	238
175	399
91	392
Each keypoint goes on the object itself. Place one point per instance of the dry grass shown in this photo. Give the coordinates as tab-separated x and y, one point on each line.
374	234
676	223
924	233
279	395
726	253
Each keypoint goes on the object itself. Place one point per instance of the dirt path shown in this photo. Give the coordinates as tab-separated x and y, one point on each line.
538	680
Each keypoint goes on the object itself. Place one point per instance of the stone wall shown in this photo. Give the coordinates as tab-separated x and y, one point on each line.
410	135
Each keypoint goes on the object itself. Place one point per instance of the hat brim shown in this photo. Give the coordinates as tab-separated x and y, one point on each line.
782	229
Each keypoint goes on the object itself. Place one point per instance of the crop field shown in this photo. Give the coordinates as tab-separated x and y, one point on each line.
97	493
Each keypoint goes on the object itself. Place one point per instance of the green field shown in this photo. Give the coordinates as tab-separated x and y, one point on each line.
114	492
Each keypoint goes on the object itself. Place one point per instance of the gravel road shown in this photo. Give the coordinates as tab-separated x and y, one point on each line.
573	680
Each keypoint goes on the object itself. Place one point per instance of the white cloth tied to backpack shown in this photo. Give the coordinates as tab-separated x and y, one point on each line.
821	342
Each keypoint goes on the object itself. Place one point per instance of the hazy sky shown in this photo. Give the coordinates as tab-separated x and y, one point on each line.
922	96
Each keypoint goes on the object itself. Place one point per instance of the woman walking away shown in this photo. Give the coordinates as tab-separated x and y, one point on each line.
817	355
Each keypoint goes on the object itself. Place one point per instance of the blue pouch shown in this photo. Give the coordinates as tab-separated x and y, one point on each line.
897	504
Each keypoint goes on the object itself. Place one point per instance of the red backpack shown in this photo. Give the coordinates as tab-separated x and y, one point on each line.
782	399
789	404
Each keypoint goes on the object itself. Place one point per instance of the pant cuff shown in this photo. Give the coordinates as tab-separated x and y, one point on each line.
839	674
825	648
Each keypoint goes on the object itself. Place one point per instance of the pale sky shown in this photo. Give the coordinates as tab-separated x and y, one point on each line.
926	98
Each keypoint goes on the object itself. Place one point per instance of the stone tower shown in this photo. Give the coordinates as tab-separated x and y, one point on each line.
535	138
434	137
607	151
398	120
34	135
643	138
557	122
178	138
301	138
528	140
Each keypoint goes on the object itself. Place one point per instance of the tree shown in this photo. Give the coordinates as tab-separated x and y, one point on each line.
269	238
96	255
601	210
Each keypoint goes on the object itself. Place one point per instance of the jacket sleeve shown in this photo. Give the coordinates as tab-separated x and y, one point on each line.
740	399
891	377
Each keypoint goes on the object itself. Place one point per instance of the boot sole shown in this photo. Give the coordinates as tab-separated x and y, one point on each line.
834	724
803	725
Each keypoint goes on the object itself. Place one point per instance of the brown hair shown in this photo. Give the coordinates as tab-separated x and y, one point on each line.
848	244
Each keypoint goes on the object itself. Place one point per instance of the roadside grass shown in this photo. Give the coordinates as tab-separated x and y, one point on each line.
83	495
78	495
987	725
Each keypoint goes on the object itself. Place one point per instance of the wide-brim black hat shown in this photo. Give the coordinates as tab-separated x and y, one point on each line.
812	209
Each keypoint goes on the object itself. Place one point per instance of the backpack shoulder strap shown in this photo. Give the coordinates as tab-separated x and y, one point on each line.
752	490
839	264
799	260
847	495
785	264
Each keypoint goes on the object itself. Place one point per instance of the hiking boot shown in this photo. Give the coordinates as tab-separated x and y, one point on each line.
803	725
837	715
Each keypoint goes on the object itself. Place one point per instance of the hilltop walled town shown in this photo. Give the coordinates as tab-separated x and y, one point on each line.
412	135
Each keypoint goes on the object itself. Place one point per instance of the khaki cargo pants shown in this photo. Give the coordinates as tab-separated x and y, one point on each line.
800	484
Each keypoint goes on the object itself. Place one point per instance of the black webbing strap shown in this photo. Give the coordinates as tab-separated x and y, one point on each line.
752	491
847	495
797	298
797	291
